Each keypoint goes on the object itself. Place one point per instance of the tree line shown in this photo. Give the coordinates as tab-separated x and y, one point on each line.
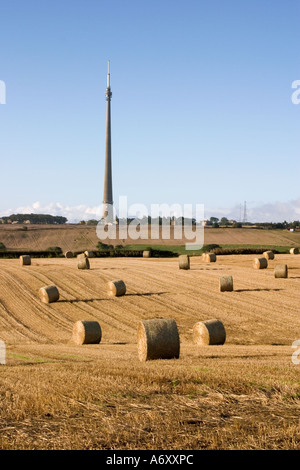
215	222
34	219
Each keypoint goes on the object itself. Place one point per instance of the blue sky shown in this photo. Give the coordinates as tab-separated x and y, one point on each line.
201	105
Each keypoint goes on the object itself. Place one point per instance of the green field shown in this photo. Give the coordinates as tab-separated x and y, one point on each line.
181	250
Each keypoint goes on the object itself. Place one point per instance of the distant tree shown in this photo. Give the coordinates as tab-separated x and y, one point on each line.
237	225
215	225
224	221
214	220
102	246
92	222
55	249
36	219
209	247
295	224
277	225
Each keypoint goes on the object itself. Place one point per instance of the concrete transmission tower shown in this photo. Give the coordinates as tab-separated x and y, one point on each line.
108	191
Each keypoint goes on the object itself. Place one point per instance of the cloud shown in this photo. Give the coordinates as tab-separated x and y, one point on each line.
256	212
72	213
259	212
278	211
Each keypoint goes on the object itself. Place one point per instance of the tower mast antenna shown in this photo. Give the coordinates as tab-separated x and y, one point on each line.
108	75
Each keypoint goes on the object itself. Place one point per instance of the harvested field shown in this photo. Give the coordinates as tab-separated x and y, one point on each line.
80	238
56	395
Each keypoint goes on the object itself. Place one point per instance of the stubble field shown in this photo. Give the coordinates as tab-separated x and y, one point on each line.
242	395
83	237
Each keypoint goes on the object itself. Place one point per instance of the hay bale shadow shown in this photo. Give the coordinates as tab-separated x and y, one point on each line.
257	290
72	301
145	294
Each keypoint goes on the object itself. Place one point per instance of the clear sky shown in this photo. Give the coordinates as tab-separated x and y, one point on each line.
201	105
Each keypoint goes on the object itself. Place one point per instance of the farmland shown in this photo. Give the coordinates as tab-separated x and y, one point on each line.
56	395
77	237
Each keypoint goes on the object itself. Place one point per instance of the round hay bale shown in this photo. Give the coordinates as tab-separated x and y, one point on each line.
281	271
210	332
146	254
294	251
83	262
269	255
89	254
86	332
260	263
226	284
69	254
25	260
116	288
210	258
158	339
184	262
49	294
